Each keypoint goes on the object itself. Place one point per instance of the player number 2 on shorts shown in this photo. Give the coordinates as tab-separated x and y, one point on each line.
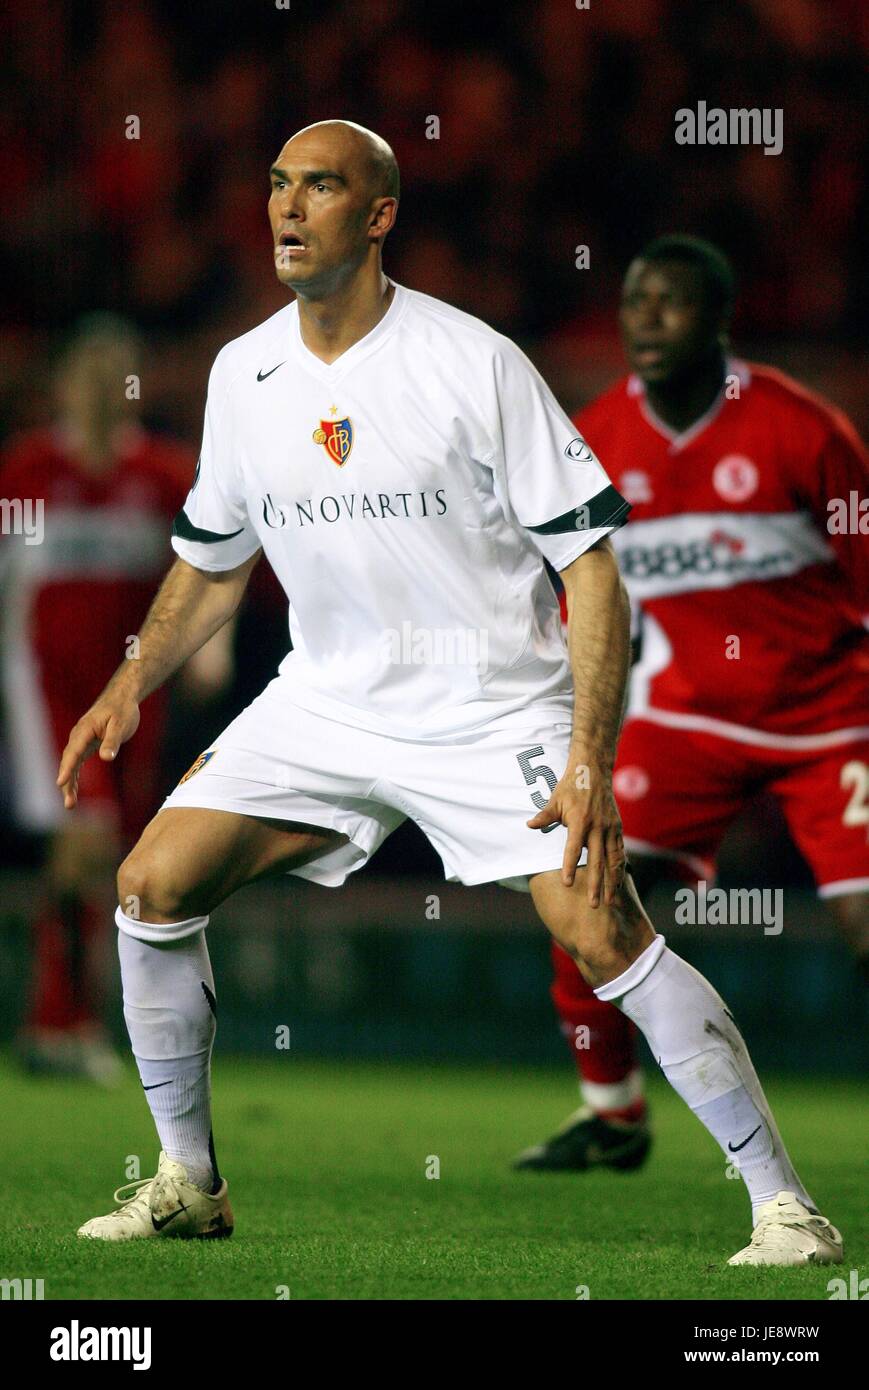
856	775
533	774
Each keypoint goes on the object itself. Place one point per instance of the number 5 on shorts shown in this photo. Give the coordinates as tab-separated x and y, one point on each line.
533	774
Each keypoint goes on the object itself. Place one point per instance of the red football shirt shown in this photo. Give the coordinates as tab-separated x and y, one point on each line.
75	593
751	603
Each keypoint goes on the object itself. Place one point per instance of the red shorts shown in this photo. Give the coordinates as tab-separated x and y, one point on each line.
679	790
126	793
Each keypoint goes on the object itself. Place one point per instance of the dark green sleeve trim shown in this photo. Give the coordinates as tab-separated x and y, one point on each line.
182	526
607	508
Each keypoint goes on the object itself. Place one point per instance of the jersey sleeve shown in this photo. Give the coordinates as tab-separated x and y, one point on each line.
553	483
213	530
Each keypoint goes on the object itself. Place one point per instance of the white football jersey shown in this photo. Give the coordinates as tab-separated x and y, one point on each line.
405	496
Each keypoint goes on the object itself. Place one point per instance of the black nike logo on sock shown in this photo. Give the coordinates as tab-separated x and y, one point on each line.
156	1084
734	1148
209	995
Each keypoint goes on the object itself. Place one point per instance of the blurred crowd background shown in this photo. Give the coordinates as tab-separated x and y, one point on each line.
555	130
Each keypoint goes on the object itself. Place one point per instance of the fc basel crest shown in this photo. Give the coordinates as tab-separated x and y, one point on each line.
337	436
197	766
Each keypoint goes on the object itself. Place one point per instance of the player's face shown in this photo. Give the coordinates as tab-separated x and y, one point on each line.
320	211
88	382
667	325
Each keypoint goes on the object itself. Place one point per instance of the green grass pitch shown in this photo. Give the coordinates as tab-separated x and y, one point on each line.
327	1169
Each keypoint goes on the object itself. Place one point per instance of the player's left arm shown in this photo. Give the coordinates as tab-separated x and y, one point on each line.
598	637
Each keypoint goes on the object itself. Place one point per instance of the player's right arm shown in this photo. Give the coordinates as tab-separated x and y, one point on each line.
190	606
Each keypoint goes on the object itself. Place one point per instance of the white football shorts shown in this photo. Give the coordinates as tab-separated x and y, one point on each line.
470	793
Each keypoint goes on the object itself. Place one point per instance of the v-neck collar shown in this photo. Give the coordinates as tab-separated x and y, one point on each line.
680	439
330	371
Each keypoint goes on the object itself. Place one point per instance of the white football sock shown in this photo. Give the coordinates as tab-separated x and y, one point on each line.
169	1008
613	1095
701	1052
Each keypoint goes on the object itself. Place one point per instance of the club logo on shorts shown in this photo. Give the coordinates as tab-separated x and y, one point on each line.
337	436
735	478
197	766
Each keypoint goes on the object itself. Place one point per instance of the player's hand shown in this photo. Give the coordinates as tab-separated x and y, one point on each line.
107	724
583	801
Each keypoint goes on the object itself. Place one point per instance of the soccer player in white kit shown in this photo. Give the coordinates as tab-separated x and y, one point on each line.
405	470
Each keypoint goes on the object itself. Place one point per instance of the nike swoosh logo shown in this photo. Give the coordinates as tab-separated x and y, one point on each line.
734	1148
156	1085
164	1220
261	376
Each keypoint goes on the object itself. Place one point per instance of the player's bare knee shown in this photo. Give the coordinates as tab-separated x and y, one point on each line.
150	891
602	940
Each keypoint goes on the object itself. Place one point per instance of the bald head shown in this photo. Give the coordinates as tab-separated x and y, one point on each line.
334	200
377	157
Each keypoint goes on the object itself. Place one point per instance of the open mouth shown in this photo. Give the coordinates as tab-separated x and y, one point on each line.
290	243
647	354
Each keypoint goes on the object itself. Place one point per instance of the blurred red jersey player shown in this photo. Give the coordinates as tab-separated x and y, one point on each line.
749	580
92	495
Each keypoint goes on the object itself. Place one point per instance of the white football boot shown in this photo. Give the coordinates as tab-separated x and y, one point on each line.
788	1233
165	1205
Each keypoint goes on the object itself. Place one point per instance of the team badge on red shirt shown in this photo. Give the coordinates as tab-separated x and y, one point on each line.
337	437
735	478
631	783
